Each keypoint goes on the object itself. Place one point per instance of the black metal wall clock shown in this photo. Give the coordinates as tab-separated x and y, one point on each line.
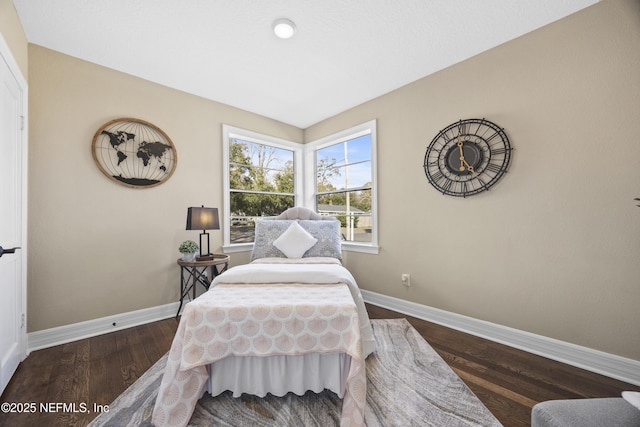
467	157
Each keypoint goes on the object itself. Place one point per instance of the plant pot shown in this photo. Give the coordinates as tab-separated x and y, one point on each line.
189	257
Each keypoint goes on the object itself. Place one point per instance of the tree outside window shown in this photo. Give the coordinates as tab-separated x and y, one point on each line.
344	186
261	183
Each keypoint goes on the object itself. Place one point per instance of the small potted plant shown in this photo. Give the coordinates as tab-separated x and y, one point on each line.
188	249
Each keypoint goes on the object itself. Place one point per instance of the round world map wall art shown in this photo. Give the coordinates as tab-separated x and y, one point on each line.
134	153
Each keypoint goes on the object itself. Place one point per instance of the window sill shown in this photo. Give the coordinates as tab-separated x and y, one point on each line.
356	247
241	247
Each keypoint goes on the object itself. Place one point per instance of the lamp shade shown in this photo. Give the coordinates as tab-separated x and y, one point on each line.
203	219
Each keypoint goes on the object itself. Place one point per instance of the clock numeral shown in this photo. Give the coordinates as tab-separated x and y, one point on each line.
432	163
446	186
444	135
462	127
492	167
492	136
437	177
450	138
498	151
438	147
434	156
482	183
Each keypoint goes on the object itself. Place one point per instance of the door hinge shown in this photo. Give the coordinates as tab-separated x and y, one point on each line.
23	320
21	122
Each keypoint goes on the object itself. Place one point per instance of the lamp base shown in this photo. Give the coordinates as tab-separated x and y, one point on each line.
207	257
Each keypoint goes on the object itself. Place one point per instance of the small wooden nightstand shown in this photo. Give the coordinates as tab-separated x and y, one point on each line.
193	272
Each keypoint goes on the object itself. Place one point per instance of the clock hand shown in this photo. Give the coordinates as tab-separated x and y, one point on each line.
469	167
462	160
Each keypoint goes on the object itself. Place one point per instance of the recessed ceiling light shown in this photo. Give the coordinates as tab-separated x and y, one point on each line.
284	28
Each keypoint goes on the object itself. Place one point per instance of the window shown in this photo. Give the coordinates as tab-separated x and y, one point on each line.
260	178
344	183
263	176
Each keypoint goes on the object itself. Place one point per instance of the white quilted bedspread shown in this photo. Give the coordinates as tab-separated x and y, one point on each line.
258	320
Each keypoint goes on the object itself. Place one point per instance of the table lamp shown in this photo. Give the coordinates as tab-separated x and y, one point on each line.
203	219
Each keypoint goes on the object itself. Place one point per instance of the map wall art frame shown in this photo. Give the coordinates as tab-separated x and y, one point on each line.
134	153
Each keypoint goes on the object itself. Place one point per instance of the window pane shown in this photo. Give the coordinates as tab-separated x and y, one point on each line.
358	149
252	204
246	208
242	229
345	177
257	179
344	165
352	209
260	167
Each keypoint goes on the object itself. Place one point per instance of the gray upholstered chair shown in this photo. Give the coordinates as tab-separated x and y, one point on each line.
603	412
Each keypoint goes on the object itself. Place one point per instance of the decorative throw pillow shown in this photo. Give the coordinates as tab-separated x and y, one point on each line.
268	230
295	241
328	234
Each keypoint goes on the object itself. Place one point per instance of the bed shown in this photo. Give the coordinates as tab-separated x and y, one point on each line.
291	320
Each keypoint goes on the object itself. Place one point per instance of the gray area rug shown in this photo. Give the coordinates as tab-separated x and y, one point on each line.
408	384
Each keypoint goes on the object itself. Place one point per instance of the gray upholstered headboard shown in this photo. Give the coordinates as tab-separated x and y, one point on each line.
299	212
324	229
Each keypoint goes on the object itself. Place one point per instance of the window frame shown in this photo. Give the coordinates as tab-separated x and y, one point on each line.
310	190
231	132
305	175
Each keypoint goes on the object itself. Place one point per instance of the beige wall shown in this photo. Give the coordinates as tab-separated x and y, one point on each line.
13	34
97	248
554	248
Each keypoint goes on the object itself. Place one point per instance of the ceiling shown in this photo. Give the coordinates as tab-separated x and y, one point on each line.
344	53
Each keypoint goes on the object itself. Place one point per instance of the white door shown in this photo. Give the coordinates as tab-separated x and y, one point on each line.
12	216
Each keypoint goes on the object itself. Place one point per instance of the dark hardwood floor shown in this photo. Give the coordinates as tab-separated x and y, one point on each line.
508	381
96	370
90	371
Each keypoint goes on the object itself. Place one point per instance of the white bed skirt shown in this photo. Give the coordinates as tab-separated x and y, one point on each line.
279	375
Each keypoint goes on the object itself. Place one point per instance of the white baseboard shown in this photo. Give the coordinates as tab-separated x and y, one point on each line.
90	328
610	365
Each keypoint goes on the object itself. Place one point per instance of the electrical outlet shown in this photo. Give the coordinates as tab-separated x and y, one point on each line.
406	279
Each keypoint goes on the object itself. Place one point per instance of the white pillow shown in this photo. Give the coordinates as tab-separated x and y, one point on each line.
295	241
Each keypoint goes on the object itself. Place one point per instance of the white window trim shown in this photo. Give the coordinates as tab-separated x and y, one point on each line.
309	155
229	132
304	178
